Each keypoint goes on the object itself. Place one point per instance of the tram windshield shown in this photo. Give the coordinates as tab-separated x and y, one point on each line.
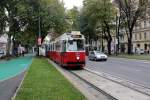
76	45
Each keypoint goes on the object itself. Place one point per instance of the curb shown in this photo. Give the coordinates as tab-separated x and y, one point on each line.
145	61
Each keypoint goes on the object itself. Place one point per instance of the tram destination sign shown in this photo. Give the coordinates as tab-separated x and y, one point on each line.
76	36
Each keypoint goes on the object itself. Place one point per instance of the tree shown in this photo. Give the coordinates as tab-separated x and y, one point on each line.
73	18
132	10
86	27
2	20
101	13
23	17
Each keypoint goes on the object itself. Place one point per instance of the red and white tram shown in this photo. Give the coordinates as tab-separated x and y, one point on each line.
68	50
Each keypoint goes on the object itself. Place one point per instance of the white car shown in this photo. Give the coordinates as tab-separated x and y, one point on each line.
97	55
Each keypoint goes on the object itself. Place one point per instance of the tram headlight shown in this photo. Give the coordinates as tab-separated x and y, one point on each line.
78	58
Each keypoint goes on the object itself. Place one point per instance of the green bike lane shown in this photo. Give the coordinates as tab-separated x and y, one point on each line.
11	68
11	74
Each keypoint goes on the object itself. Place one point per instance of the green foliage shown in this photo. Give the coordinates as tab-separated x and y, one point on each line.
99	14
73	19
99	11
131	10
24	15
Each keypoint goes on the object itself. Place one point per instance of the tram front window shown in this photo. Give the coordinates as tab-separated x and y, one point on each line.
75	45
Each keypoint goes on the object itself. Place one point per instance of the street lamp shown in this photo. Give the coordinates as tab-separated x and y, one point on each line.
39	33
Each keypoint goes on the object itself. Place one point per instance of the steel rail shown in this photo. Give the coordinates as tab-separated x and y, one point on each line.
95	87
122	83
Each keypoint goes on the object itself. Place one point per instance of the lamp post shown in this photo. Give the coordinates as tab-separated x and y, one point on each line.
39	33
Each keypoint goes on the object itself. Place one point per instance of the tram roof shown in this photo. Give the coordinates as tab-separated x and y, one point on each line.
69	36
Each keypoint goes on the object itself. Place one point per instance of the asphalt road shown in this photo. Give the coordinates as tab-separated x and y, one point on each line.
133	70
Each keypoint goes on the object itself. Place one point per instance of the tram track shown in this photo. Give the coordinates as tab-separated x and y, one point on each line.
90	91
107	92
127	83
109	88
95	87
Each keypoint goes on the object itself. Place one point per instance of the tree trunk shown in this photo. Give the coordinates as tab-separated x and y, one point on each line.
109	46
8	46
102	45
129	46
109	40
130	42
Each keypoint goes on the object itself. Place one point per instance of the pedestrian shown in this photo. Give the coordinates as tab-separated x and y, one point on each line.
19	50
23	51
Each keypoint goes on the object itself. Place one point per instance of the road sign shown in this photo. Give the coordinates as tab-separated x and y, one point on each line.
39	41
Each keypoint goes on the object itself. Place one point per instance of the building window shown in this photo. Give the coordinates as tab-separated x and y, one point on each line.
135	36
145	46
140	36
145	35
144	24
122	37
138	45
140	25
136	26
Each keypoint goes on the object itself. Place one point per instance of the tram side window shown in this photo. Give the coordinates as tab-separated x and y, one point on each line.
64	46
58	46
49	47
52	47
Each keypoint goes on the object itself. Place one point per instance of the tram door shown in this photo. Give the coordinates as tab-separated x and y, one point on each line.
63	51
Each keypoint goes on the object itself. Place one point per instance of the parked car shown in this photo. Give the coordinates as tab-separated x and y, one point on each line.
97	55
142	51
1	53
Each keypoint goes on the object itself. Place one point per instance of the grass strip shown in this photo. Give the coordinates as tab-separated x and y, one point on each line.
138	57
44	82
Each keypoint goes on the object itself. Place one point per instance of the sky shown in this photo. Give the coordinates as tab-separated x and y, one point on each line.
70	3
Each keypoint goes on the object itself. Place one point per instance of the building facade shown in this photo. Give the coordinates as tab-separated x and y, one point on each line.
3	42
141	36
